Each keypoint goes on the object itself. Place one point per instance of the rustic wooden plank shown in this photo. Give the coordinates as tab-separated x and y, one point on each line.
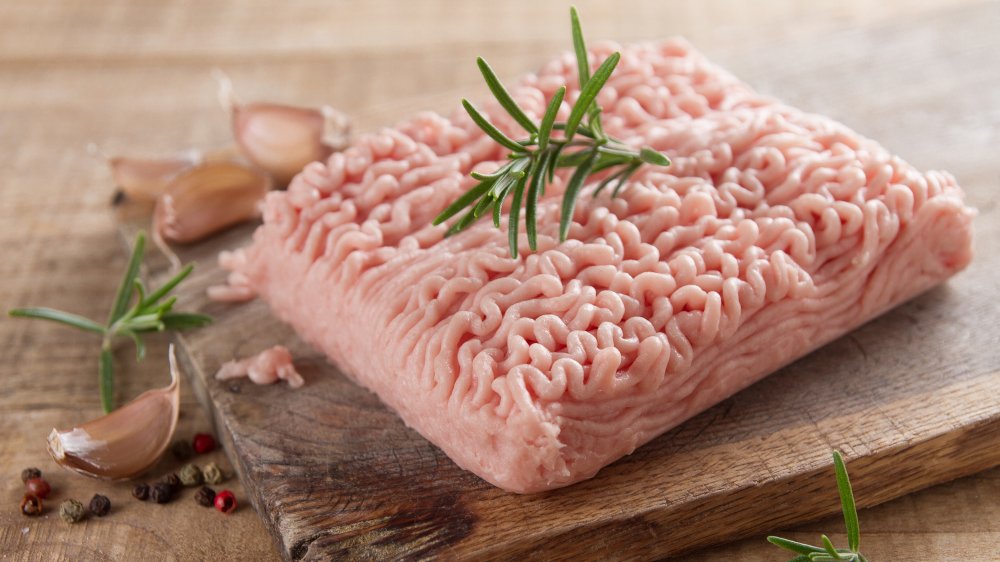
336	474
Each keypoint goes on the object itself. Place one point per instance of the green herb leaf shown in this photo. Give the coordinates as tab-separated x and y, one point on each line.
828	545
184	320
794	546
504	97
572	190
589	93
536	184
462	202
52	315
847	503
490	130
650	156
168	286
549	119
582	64
124	295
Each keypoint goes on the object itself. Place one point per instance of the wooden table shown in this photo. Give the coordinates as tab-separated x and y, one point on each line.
135	77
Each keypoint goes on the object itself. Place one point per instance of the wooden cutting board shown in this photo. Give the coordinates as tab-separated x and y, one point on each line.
912	399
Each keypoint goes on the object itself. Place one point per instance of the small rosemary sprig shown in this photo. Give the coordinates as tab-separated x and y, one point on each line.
583	145
149	313
827	552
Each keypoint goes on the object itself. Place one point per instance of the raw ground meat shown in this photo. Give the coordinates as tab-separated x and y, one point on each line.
773	232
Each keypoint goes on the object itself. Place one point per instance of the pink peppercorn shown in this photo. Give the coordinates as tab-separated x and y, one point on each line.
225	502
203	443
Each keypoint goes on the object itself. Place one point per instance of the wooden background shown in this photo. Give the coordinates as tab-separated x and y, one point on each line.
136	77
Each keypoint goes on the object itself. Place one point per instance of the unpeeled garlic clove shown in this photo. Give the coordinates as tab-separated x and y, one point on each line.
282	139
126	442
207	199
142	180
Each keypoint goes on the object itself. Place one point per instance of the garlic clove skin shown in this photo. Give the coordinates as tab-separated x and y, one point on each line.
126	442
207	199
142	180
282	139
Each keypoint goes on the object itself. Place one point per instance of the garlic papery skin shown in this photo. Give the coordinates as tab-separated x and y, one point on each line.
126	442
282	139
207	199
142	180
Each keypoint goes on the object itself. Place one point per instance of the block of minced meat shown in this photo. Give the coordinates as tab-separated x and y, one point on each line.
773	232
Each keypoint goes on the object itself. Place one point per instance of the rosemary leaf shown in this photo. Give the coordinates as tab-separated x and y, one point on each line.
650	156
52	315
537	184
168	286
490	130
589	93
794	546
124	295
462	202
504	97
828	545
608	180
582	64
515	208
624	179
847	503
572	190
549	119
461	224
184	320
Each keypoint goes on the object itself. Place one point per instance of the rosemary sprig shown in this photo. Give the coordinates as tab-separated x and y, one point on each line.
147	313
532	162
827	552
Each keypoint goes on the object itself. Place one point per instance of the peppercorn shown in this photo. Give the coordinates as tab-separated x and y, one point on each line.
162	492
141	491
39	487
173	481
31	505
225	502
29	473
71	511
212	473
205	496
203	443
191	475
100	505
182	450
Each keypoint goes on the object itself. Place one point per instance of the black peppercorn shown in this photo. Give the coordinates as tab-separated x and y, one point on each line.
205	496
31	505
161	492
173	481
99	505
182	450
141	491
29	473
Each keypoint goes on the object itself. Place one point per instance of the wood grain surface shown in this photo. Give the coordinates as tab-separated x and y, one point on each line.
920	77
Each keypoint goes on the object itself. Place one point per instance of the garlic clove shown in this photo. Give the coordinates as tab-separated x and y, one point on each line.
126	442
142	180
207	199
282	139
